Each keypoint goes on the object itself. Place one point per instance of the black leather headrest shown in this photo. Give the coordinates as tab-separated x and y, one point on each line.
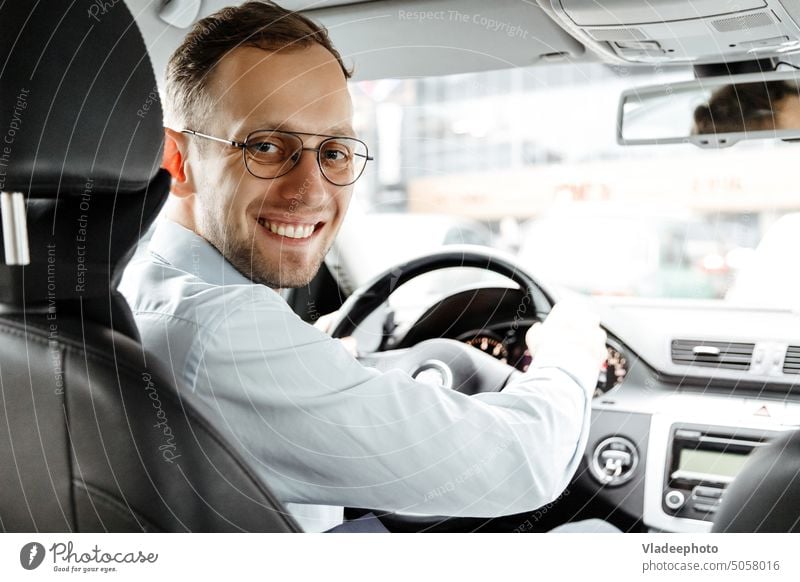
765	496
81	135
78	100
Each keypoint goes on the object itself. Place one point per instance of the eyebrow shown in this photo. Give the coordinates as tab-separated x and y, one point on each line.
337	130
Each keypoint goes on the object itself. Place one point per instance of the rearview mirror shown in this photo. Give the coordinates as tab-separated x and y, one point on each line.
712	111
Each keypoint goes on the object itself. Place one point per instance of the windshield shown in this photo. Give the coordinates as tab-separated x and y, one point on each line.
526	161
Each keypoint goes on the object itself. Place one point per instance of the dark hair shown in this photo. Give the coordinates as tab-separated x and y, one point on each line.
262	25
742	107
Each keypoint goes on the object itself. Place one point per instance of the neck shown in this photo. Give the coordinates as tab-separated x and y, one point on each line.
177	210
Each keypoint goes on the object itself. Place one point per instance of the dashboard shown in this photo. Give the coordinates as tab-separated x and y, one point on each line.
691	388
502	335
507	344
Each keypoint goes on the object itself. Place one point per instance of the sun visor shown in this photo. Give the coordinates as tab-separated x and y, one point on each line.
680	31
414	38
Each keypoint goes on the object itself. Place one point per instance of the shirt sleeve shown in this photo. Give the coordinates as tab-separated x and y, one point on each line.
323	429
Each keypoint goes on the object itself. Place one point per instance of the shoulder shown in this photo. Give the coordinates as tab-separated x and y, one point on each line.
157	289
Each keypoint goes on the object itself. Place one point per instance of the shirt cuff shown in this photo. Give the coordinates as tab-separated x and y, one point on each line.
579	366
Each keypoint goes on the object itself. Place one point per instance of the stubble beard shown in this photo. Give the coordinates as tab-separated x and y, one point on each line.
240	250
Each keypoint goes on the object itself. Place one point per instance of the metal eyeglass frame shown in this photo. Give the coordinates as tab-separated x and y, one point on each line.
242	145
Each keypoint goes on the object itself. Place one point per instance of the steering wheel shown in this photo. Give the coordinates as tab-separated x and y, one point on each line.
445	362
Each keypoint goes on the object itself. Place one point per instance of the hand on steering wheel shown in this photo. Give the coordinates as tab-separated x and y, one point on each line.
446	362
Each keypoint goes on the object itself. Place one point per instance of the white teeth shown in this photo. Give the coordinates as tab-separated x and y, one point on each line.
298	231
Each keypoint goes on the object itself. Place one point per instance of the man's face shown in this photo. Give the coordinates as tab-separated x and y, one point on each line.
302	90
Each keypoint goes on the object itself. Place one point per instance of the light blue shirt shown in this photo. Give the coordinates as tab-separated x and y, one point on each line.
325	431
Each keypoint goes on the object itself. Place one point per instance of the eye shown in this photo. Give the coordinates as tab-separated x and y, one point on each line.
336	153
263	147
272	147
269	150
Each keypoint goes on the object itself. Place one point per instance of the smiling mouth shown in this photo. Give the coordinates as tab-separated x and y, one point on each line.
290	230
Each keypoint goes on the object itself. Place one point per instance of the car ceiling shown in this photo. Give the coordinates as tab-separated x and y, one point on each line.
381	40
419	38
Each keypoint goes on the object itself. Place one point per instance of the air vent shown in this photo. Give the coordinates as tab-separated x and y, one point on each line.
746	22
727	355
791	365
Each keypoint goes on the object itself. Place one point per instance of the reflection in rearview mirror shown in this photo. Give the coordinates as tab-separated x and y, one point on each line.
712	112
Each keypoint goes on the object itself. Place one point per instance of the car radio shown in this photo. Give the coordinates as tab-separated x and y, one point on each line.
701	461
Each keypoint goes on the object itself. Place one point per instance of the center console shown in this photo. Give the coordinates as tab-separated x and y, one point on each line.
689	467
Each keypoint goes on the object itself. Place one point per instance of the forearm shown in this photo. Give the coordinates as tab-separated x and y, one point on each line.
329	431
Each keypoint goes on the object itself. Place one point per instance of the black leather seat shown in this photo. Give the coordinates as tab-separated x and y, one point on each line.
765	496
94	435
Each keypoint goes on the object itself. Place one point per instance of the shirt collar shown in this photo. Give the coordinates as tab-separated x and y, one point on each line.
190	252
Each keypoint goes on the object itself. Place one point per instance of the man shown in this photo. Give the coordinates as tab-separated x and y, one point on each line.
259	146
767	106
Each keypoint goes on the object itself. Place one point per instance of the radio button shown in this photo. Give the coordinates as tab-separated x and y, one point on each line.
706	507
701	491
614	461
674	499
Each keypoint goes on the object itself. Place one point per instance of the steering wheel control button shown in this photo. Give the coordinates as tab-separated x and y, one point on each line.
614	461
674	499
434	373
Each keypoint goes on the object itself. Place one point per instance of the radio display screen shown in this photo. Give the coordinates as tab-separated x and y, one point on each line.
711	462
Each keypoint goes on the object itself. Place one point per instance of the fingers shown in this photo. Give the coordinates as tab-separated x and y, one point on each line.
571	328
350	344
324	323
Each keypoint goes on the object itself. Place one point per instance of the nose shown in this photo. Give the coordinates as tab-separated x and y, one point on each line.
305	182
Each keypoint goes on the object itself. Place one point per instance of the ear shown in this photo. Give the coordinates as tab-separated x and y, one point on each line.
174	160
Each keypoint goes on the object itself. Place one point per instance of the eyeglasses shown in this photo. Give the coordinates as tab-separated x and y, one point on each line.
270	154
